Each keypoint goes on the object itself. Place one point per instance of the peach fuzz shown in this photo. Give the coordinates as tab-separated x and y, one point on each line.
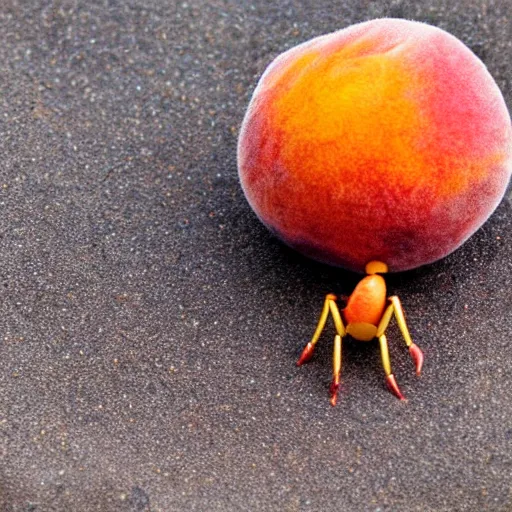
388	140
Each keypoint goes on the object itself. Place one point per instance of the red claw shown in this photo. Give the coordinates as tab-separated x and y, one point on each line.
417	356
333	389
306	355
393	386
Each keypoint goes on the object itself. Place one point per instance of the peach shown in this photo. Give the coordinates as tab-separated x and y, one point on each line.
388	140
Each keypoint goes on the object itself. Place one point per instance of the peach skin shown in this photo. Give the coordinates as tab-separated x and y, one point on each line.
388	140
383	146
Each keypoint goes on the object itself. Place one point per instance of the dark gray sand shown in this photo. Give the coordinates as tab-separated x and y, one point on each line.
150	324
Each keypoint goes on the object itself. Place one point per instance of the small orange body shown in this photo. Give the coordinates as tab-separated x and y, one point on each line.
367	302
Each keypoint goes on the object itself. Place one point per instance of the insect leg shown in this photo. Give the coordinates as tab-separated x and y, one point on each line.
384	322
390	378
307	353
336	369
414	350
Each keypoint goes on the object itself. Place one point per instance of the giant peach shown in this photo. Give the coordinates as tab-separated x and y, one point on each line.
388	140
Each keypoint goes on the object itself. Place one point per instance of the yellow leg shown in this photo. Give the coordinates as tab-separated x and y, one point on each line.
338	322
400	318
384	322
336	369
329	305
396	308
414	350
386	363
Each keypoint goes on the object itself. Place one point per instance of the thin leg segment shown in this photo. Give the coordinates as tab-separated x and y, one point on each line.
336	316
386	363
400	319
336	369
329	305
384	322
396	308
